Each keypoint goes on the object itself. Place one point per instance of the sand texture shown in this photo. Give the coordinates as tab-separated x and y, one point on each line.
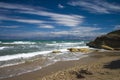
99	65
107	67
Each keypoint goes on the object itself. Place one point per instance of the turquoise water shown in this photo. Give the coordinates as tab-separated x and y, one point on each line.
17	52
17	47
13	50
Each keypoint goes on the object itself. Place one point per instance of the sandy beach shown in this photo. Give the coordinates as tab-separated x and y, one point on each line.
59	39
98	66
105	67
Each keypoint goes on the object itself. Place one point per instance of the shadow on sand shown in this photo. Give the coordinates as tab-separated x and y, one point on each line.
81	73
113	65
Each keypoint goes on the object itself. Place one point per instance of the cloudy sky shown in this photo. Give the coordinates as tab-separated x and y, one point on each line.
58	18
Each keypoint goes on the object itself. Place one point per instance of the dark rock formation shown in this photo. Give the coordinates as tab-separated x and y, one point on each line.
56	51
110	41
113	65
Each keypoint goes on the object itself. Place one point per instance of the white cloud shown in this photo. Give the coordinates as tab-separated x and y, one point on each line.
96	6
117	27
15	6
9	27
46	26
29	21
57	18
38	23
60	6
61	19
70	20
73	32
79	32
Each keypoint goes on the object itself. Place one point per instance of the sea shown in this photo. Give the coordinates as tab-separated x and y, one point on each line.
19	52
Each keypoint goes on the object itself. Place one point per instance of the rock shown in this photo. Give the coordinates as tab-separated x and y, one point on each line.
85	71
117	49
73	50
106	47
56	51
83	50
109	41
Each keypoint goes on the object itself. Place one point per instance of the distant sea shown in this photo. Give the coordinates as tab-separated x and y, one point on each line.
17	52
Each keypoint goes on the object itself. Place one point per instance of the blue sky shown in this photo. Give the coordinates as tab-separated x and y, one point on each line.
58	18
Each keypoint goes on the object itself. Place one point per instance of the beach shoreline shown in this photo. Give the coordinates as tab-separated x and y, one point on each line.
62	66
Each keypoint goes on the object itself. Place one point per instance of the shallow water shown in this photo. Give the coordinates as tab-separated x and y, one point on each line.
20	52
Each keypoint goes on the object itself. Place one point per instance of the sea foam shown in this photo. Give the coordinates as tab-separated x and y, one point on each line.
22	55
4	47
19	42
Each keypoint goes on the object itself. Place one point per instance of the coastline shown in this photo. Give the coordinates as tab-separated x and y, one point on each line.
60	65
49	72
105	67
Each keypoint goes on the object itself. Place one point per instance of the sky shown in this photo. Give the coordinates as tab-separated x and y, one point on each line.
27	19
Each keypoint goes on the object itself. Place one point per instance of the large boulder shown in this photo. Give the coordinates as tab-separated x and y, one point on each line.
109	41
73	49
83	50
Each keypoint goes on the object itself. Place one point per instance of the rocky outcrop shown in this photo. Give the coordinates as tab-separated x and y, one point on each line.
107	47
110	41
73	49
83	50
56	51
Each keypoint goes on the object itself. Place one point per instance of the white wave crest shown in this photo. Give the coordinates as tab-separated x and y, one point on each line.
32	54
65	44
4	47
19	42
22	55
1	48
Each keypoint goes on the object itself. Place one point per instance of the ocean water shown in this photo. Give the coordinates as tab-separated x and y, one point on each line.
18	52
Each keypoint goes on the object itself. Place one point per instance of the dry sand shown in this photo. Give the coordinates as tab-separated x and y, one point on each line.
98	66
106	67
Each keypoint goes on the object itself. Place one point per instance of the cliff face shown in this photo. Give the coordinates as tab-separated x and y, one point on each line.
109	41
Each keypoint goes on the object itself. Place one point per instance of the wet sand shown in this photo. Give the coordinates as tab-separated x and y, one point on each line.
53	72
